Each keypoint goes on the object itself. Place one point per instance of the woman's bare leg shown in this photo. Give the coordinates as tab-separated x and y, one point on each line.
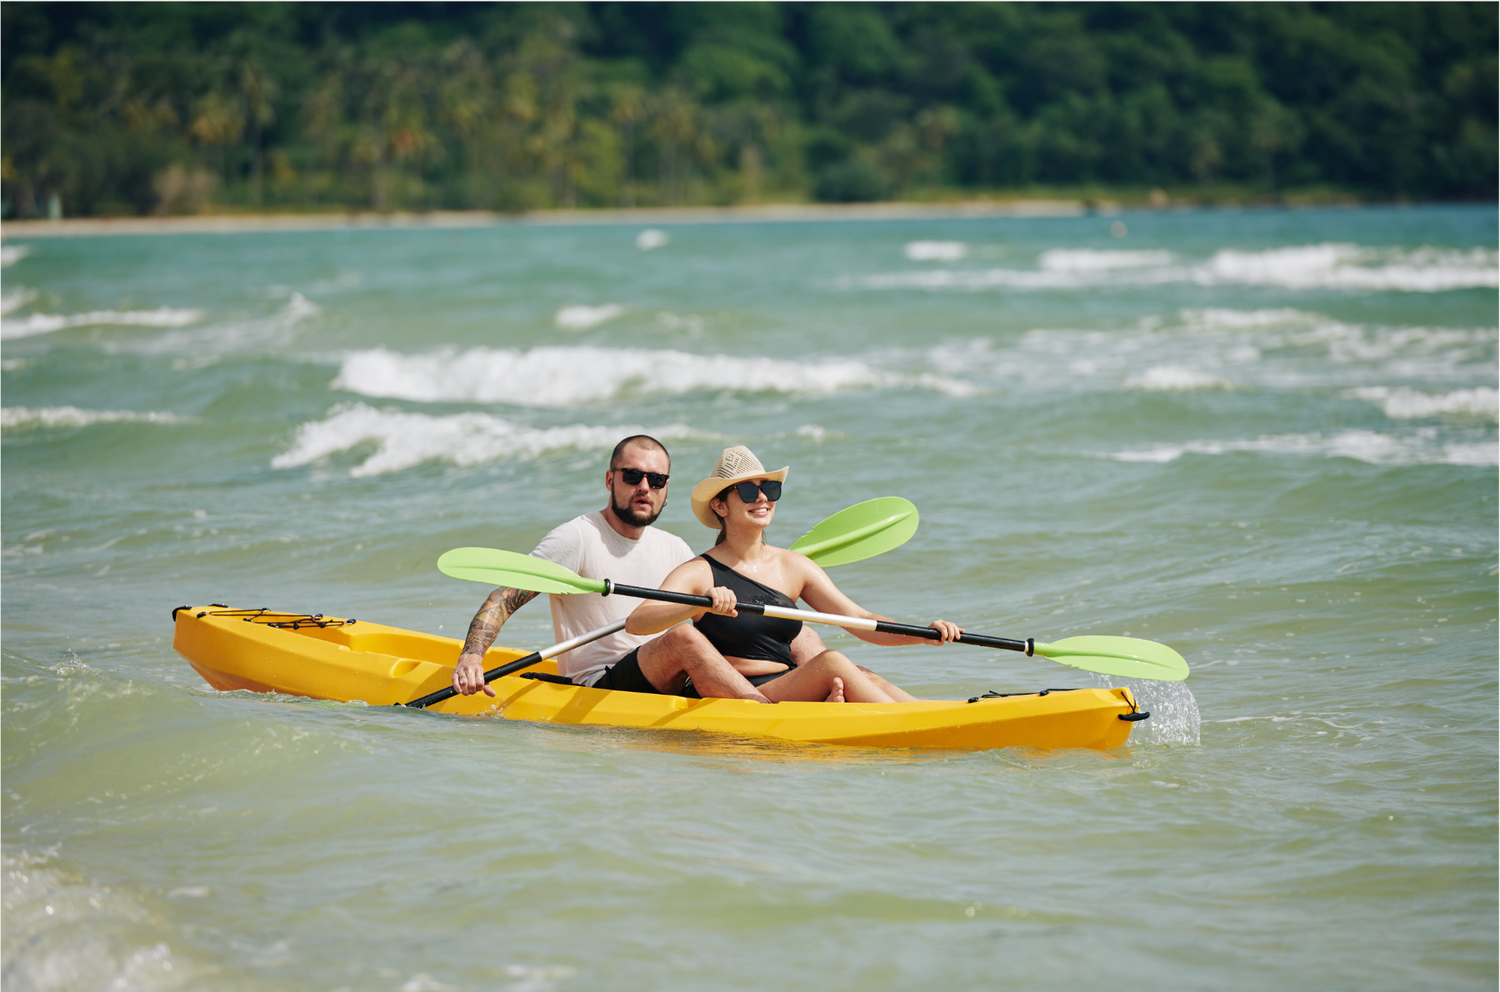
814	682
897	693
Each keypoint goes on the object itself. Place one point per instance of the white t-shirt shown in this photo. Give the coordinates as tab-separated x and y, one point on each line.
589	546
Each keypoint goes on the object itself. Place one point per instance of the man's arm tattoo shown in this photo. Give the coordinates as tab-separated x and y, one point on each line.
492	616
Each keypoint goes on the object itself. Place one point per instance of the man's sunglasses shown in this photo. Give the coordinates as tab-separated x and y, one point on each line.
633	477
747	490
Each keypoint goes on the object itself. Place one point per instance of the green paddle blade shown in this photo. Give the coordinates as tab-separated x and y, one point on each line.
862	531
1127	657
506	568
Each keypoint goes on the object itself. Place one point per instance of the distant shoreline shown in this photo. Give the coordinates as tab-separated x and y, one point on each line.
440	219
768	213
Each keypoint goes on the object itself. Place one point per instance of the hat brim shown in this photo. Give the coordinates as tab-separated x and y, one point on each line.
706	490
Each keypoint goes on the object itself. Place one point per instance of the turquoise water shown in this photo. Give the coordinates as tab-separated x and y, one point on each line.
1267	439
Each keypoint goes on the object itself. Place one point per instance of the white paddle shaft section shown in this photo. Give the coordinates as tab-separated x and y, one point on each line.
581	640
836	619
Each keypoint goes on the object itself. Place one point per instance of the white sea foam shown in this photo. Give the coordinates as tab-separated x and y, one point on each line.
936	251
11	254
25	418
563	376
11	302
651	238
43	323
582	317
1352	267
1347	267
202	346
1222	348
83	934
405	439
1422	448
975	280
1093	260
1408	404
1222	319
1175	379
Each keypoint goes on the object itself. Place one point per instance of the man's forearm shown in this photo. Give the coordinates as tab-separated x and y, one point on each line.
497	609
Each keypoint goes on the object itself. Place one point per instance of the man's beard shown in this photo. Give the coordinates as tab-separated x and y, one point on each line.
633	518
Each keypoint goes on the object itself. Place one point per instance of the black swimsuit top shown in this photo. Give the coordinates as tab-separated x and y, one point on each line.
749	635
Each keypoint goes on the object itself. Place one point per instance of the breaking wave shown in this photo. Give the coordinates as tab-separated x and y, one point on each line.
935	251
405	439
1352	267
24	418
1175	379
1328	266
42	323
1222	348
1371	447
570	376
11	302
582	317
1091	260
1409	404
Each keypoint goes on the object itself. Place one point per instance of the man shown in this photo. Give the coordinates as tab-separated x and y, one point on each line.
618	543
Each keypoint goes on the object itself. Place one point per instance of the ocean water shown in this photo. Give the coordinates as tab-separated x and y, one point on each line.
1268	439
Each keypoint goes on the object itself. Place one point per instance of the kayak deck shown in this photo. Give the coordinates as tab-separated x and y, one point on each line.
348	660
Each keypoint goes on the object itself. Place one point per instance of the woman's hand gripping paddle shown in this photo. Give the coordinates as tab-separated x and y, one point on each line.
861	531
1126	657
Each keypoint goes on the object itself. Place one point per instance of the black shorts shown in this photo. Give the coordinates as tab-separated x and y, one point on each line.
691	691
625	675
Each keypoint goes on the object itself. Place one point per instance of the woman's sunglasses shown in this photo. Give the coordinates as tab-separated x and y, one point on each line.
633	477
747	490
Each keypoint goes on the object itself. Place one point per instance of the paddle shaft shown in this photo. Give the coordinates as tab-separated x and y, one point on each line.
533	658
837	620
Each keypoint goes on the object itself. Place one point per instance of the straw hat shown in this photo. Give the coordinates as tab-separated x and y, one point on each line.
736	464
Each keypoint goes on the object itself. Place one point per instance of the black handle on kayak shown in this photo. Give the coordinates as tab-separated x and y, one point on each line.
489	676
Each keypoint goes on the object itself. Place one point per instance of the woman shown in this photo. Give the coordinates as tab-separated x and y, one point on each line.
740	500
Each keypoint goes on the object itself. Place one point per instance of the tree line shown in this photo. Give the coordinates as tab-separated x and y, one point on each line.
139	108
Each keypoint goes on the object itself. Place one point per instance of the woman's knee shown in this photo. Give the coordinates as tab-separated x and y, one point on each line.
683	637
836	662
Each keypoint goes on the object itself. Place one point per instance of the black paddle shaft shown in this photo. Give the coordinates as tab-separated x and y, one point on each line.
884	626
489	676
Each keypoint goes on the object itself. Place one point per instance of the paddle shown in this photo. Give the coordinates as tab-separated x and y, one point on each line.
1127	657
526	662
862	531
858	532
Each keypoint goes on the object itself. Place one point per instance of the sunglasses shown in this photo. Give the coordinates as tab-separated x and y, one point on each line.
633	477
748	490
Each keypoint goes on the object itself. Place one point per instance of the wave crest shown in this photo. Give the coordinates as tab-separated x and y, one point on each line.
1329	266
23	418
43	323
1408	404
572	376
405	439
1371	447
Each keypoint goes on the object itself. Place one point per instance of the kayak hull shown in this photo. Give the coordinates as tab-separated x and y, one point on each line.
331	658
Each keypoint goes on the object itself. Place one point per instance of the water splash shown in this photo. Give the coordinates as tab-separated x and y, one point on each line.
1174	712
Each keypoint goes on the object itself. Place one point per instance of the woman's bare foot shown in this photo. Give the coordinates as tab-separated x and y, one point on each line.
837	695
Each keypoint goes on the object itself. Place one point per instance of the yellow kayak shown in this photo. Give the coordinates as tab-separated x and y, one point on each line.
354	660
